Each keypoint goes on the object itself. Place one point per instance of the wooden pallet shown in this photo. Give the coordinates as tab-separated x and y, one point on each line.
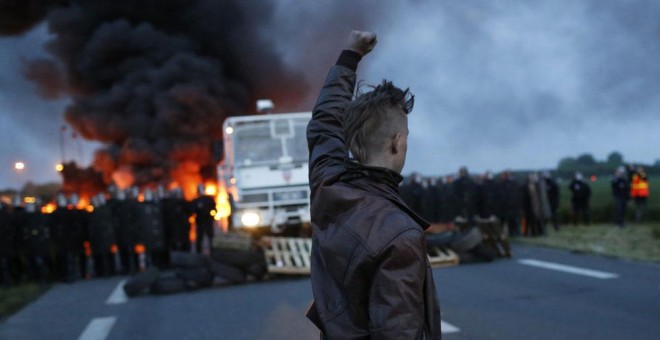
288	255
442	257
291	256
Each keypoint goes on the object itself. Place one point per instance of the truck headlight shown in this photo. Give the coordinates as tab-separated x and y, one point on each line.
250	219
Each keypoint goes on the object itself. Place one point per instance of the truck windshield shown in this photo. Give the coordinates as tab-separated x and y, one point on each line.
268	142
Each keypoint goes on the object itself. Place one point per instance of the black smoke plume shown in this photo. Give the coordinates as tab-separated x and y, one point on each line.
154	80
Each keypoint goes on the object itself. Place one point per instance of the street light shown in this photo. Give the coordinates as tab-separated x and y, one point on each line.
19	167
59	167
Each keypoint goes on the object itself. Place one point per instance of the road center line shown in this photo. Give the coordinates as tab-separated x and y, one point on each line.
448	328
117	296
568	269
98	328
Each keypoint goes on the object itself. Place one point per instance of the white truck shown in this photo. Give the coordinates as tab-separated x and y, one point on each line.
265	172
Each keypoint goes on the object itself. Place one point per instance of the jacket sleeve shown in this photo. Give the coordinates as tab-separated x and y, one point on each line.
396	301
325	132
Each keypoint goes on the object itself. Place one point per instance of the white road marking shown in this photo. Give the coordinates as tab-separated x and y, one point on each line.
448	328
568	269
98	328
118	296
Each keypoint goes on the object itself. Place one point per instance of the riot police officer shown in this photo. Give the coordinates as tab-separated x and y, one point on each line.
510	202
101	236
580	196
176	212
125	213
35	240
465	195
151	231
66	234
203	206
488	196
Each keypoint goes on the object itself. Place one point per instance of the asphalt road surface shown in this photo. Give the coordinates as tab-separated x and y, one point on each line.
539	294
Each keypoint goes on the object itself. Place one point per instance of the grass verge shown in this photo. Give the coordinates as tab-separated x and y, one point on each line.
14	298
635	242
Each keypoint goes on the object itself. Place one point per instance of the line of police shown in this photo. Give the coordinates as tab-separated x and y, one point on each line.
525	208
118	234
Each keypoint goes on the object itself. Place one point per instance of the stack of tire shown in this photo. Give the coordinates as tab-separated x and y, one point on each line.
195	271
467	243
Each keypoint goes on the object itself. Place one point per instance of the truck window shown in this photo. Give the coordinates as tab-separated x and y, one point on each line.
257	143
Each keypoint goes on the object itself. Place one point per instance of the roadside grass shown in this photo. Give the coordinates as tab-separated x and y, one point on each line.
12	299
635	242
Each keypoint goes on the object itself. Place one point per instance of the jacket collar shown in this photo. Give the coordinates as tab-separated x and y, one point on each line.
355	170
390	178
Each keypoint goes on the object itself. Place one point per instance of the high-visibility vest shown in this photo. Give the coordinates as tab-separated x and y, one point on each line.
639	187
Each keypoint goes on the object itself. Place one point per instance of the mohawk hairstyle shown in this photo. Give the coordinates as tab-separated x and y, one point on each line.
375	116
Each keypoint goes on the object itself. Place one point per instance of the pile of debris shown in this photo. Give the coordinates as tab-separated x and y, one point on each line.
480	240
238	258
195	271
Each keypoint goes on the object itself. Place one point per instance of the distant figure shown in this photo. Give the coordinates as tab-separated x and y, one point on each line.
621	192
445	200
412	192
465	194
101	235
66	234
152	230
639	191
552	190
176	213
35	241
430	200
203	206
580	196
536	207
488	196
510	203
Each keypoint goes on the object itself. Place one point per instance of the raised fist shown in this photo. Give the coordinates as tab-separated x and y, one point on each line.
361	42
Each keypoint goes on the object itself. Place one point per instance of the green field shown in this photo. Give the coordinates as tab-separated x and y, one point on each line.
602	201
635	242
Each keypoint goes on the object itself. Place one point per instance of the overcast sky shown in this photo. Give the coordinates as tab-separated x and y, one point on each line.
498	84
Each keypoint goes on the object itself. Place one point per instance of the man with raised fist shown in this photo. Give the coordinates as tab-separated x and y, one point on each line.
370	273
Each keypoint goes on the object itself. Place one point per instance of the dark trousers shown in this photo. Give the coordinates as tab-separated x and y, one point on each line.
6	278
512	223
204	230
68	266
581	210
640	208
620	204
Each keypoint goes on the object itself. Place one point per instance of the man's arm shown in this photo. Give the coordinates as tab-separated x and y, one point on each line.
325	132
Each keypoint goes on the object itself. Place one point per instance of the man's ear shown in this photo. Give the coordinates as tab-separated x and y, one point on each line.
396	143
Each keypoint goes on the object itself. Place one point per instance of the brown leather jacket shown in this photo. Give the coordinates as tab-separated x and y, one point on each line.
370	273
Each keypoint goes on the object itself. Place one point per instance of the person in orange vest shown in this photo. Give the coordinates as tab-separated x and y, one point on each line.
639	191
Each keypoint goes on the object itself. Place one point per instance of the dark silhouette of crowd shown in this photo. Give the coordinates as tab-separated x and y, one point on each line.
524	207
120	232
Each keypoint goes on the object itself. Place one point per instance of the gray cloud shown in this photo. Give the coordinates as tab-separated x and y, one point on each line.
498	84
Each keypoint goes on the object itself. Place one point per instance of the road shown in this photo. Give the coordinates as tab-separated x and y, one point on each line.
539	294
